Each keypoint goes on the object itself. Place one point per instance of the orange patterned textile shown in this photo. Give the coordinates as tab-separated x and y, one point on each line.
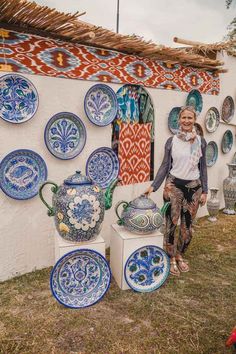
134	152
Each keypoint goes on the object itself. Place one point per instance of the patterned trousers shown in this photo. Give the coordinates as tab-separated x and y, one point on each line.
184	199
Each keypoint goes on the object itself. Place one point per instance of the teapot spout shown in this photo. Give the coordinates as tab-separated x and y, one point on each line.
164	208
109	193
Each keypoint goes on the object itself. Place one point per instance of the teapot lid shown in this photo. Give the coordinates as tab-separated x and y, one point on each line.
77	179
143	202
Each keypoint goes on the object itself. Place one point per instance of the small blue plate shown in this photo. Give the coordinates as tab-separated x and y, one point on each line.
211	153
212	119
21	174
227	141
173	120
195	99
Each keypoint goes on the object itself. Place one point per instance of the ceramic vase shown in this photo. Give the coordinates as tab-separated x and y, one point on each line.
213	205
229	190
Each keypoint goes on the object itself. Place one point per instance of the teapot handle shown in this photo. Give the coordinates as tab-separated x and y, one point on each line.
120	220
54	189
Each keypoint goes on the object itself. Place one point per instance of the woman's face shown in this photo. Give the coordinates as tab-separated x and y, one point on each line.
186	121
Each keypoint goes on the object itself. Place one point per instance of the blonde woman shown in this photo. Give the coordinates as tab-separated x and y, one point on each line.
184	167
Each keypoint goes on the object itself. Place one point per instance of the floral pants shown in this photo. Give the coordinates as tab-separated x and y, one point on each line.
184	199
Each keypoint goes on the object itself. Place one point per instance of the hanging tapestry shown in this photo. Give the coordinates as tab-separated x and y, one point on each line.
31	54
134	152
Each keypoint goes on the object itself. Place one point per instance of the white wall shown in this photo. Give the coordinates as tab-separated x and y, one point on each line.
27	233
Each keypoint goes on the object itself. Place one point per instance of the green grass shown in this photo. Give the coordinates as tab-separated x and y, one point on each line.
190	314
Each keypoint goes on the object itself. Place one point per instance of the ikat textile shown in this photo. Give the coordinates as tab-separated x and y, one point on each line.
31	54
134	152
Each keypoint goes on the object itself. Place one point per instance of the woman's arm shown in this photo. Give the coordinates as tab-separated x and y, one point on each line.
203	168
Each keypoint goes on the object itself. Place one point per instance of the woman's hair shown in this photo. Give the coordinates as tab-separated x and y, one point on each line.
188	108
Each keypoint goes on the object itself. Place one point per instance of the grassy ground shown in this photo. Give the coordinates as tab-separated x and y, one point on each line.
191	314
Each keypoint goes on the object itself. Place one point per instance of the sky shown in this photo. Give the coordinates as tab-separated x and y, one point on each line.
159	20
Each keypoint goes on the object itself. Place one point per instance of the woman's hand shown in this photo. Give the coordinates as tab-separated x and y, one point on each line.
149	191
203	199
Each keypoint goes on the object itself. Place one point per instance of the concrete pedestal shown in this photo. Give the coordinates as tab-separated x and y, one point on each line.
122	244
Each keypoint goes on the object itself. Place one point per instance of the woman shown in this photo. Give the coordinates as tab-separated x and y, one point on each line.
184	167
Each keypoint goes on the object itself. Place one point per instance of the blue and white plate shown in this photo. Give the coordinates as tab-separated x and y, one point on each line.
173	120
195	99
212	119
211	153
18	98
103	166
65	135
227	141
80	278
147	268
100	105
21	174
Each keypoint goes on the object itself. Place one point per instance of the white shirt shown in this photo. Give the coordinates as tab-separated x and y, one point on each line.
181	165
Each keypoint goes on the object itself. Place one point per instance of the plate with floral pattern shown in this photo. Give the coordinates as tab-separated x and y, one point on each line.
100	105
211	153
18	98
173	120
227	109
80	278
21	174
227	141
65	135
195	99
147	268
212	119
103	166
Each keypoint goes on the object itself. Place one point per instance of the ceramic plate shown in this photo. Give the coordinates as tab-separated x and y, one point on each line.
173	119
103	166
195	99
100	105
234	158
212	119
228	109
18	98
80	278
147	269
227	141
21	174
211	153
65	135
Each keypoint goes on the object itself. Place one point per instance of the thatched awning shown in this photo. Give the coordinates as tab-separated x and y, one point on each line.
29	17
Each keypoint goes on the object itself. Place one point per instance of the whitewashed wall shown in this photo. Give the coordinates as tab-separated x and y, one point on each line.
27	233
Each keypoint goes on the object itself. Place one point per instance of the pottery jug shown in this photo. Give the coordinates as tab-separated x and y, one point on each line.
141	215
213	205
78	207
229	190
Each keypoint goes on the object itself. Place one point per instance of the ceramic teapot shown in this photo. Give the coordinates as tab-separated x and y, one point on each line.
141	215
78	207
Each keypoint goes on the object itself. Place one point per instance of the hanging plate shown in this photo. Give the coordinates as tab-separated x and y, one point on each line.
21	174
100	105
228	109
212	119
102	166
80	278
211	153
227	141
147	269
195	99
173	120
65	135
18	98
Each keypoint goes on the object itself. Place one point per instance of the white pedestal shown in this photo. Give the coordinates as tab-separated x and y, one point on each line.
122	244
62	246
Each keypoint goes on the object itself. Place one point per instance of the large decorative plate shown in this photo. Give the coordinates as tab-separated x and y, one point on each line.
212	120
195	99
147	269
211	153
228	109
80	278
227	141
173	119
65	135
18	98
100	105
103	166
21	174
